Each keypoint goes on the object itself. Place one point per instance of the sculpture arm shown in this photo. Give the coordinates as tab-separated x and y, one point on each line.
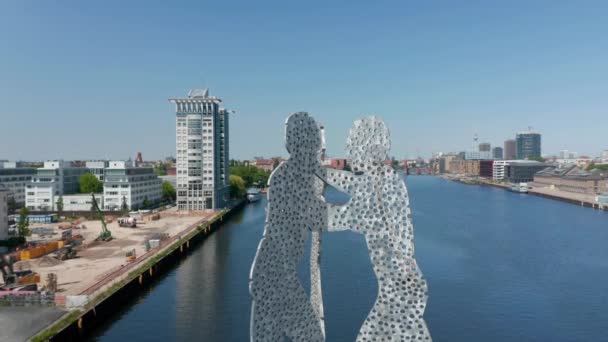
339	179
338	217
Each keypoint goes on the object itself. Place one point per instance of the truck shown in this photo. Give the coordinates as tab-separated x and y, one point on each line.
129	222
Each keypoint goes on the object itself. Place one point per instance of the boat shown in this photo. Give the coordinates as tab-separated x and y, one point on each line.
253	195
520	187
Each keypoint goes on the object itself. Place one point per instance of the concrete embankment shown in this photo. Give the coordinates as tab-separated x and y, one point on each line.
109	295
554	195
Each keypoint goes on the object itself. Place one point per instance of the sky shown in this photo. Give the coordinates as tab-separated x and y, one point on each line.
90	80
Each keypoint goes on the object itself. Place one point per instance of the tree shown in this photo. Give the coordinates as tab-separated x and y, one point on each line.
168	191
538	159
24	223
124	206
11	204
161	169
146	203
275	163
90	184
60	205
251	175
394	163
237	187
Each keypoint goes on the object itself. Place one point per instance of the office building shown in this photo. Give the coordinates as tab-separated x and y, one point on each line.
510	151
605	155
131	185
54	179
465	167
15	178
4	194
528	145
522	171
497	152
498	169
574	179
485	147
202	145
445	162
486	168
97	168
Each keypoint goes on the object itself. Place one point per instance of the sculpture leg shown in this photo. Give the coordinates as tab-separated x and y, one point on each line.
264	327
300	320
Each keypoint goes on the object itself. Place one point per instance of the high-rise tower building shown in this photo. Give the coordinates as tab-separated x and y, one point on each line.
497	152
528	145
202	151
509	152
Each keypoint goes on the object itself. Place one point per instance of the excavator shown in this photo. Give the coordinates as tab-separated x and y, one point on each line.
17	280
106	234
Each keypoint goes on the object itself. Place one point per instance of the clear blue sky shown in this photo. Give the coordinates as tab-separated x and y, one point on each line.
90	79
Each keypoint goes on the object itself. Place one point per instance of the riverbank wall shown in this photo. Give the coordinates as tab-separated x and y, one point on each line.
575	201
78	323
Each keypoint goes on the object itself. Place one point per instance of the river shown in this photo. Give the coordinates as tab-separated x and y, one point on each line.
501	266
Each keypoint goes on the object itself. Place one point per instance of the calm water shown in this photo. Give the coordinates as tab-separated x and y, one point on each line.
501	267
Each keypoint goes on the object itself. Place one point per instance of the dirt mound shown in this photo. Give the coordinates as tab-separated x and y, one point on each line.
47	261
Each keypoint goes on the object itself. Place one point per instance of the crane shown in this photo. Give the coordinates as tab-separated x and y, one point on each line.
106	234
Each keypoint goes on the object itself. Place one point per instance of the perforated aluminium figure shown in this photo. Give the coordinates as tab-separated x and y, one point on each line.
280	306
379	209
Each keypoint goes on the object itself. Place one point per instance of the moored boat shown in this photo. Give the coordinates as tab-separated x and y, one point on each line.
253	195
520	187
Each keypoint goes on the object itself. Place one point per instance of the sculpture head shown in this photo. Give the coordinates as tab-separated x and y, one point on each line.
302	134
368	141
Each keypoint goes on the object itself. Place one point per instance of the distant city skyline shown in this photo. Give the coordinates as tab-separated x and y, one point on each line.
86	81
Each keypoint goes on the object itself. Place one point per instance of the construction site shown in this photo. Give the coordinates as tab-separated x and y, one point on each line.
67	264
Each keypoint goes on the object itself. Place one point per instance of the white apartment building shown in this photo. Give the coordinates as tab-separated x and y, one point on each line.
4	214
81	202
54	179
202	152
14	179
124	183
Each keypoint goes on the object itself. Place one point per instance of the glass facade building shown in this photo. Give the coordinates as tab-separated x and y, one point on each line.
528	145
